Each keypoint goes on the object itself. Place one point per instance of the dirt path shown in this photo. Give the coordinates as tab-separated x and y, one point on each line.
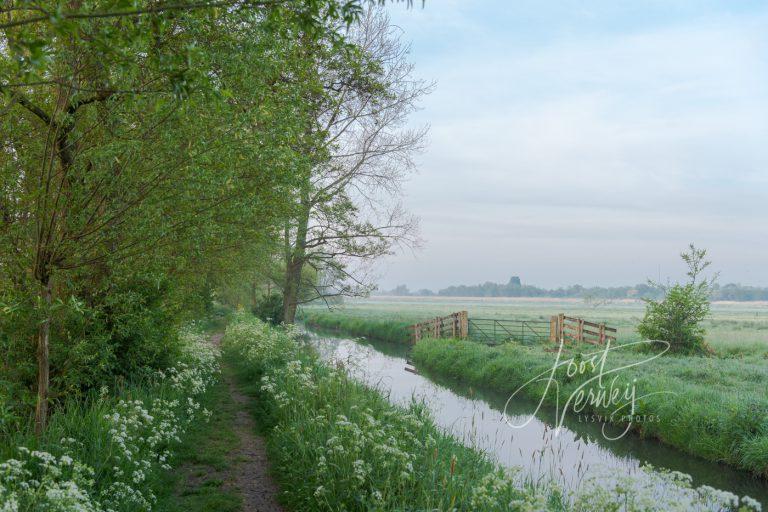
249	471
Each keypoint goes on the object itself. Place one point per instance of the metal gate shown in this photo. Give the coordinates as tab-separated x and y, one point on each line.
495	331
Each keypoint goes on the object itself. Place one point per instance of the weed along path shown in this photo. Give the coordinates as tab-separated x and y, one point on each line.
249	467
575	454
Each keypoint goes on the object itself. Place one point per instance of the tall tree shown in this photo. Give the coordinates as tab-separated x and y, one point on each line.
347	210
141	137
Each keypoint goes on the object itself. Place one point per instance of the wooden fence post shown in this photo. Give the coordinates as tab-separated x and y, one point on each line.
560	326
464	325
581	330
602	333
553	330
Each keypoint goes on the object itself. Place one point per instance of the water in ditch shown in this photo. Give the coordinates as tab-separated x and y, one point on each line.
475	417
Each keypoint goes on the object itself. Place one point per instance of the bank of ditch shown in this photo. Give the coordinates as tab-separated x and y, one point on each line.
708	407
712	408
336	444
392	331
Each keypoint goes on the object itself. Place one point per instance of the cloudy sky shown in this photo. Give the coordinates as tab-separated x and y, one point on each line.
588	141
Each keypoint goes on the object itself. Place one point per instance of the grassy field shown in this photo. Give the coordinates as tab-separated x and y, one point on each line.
733	329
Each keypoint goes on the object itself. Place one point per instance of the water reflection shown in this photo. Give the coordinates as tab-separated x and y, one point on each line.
475	418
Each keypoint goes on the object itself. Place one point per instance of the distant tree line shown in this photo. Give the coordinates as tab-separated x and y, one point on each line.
514	288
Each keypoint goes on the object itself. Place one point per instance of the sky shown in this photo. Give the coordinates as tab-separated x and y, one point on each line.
587	141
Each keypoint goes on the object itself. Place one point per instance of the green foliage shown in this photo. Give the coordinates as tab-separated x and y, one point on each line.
153	151
269	308
675	321
109	450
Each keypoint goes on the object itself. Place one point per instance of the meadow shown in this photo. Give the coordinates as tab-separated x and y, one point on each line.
734	329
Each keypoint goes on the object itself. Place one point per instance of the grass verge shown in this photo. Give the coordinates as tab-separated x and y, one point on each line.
199	484
393	331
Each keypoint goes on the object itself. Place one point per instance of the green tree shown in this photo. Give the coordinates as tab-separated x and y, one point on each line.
675	320
138	138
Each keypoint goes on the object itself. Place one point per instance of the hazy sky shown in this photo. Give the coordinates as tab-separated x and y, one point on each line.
588	142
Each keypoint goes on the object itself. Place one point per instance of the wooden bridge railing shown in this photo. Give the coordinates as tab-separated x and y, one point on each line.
454	325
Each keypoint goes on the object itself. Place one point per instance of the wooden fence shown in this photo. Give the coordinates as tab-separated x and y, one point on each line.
494	331
454	325
568	328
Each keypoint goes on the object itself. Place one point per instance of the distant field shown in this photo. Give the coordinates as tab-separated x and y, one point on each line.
734	328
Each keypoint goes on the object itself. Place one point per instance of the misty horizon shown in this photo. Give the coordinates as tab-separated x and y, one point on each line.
575	287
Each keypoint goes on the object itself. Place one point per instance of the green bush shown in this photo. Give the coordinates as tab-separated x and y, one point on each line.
675	321
269	308
103	332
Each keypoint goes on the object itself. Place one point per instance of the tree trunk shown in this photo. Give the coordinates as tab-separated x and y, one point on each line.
43	362
295	256
291	291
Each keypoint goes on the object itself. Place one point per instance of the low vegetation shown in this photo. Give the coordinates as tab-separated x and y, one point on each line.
336	444
732	330
111	450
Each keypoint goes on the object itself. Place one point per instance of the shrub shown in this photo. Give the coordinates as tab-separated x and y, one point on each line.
269	308
675	321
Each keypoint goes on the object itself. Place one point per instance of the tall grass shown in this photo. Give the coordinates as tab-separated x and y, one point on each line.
336	444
